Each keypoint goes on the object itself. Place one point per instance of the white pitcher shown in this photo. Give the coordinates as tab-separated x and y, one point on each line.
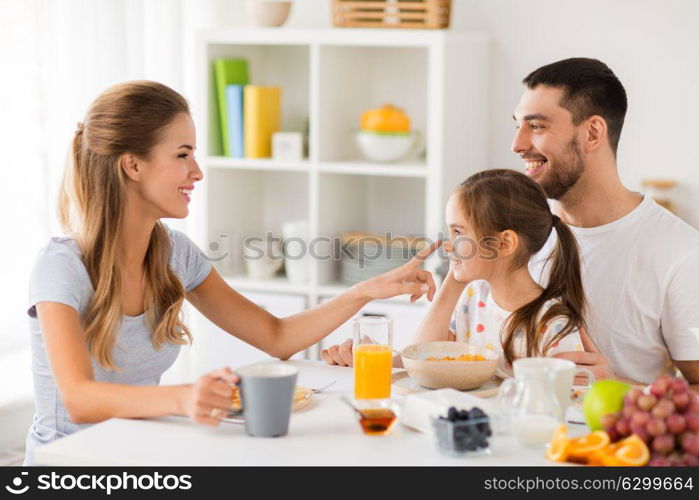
530	400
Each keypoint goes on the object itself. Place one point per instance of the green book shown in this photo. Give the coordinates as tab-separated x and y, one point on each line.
227	72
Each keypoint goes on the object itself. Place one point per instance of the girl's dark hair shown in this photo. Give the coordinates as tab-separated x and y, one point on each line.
500	199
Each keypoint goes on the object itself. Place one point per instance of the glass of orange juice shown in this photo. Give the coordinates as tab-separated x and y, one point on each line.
373	358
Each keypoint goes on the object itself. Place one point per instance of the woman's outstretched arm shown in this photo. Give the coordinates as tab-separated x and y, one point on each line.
283	337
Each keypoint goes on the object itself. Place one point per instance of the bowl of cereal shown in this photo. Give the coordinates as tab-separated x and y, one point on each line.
442	364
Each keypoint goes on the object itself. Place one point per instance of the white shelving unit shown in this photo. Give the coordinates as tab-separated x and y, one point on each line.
328	77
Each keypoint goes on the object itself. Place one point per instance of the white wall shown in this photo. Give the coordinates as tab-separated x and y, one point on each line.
652	46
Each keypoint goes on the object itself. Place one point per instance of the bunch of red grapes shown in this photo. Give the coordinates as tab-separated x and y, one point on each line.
665	416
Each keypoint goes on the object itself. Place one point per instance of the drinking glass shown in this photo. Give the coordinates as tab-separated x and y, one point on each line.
373	357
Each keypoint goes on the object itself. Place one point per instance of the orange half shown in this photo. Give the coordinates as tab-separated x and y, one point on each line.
582	447
632	452
559	445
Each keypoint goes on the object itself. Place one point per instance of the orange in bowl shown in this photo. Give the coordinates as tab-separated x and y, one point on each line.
387	118
455	374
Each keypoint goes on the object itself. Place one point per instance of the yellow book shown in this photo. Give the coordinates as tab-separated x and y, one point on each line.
261	118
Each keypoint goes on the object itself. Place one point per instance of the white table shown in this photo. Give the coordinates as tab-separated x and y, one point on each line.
324	433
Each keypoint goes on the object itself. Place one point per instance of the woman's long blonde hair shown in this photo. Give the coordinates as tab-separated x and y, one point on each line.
127	118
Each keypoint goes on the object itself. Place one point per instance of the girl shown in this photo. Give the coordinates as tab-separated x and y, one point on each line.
498	219
105	302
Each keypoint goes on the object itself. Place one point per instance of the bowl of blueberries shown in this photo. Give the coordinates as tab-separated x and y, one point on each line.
463	432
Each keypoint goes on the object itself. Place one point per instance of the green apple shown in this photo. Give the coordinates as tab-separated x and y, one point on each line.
604	397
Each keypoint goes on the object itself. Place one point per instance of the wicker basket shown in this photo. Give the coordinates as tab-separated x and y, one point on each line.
423	14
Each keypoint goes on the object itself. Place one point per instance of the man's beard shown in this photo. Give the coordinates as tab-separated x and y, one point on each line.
566	171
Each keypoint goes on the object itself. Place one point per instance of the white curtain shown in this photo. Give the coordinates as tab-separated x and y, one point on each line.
88	45
24	200
56	56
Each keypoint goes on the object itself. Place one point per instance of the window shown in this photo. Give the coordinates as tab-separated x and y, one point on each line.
23	204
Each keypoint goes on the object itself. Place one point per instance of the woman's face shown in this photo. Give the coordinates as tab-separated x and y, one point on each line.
471	257
169	173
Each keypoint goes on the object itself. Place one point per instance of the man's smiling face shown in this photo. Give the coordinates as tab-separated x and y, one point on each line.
547	141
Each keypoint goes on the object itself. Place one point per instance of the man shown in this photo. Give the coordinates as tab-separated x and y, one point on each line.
640	262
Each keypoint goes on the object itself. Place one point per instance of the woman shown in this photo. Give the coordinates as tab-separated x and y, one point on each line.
105	303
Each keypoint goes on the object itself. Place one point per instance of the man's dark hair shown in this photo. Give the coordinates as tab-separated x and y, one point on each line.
590	88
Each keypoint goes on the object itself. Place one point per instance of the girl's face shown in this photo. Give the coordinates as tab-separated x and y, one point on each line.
472	258
168	175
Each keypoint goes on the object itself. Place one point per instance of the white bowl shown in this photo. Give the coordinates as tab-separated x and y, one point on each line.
268	12
385	147
460	375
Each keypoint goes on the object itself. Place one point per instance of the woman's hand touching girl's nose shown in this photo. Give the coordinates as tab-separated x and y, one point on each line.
406	279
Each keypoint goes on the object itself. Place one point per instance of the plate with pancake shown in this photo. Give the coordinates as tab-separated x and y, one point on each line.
303	396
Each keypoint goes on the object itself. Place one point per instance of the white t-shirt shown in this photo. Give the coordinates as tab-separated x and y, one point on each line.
641	280
478	320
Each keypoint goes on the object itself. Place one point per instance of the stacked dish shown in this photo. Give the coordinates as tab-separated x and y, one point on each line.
366	255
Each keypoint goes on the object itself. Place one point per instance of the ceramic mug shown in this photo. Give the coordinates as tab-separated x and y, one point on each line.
267	396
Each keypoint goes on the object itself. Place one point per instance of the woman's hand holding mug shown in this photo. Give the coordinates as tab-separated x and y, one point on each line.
207	400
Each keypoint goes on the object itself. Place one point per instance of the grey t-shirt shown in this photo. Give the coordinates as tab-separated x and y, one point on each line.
59	275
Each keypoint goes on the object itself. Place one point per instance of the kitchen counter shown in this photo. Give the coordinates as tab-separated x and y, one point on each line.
324	433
